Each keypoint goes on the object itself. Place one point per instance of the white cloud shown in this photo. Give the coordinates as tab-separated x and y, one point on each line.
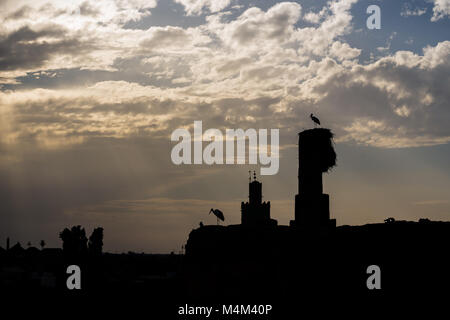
441	9
342	51
74	14
337	22
315	17
193	7
254	27
408	11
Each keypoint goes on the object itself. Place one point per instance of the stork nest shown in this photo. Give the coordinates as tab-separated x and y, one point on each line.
316	150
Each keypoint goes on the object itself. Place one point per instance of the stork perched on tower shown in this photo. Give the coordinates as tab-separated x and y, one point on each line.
315	119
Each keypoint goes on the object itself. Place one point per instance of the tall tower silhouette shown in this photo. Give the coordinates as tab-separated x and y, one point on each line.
315	156
255	212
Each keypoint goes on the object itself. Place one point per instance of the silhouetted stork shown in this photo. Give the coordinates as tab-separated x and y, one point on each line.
315	119
218	214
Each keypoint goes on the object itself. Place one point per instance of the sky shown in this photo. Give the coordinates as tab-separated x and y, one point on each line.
90	92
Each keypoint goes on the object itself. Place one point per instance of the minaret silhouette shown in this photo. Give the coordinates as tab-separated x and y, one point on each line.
255	212
255	191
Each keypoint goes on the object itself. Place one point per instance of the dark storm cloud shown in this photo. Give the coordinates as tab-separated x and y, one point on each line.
25	48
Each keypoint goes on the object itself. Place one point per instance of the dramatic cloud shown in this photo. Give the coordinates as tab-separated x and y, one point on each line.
90	92
407	94
26	49
60	34
260	61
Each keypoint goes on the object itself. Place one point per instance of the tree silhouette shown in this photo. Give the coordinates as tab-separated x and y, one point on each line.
42	244
74	240
96	241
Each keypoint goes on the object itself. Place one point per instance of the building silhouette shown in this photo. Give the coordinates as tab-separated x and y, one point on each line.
316	155
255	212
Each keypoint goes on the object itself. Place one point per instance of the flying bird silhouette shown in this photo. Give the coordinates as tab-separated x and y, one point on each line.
315	119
